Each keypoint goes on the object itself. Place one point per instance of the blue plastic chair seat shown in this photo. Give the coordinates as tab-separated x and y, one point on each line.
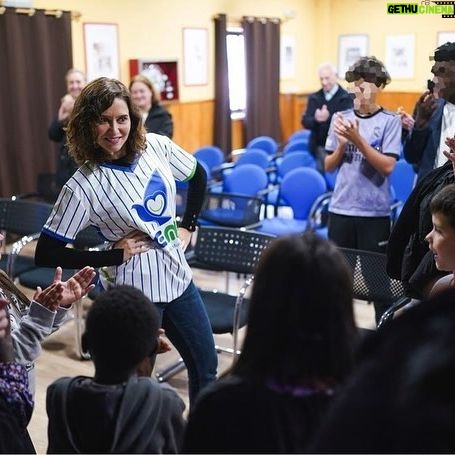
323	232
232	210
282	226
230	218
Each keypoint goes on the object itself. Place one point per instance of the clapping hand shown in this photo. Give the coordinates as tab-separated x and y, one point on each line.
407	120
321	115
345	129
65	293
425	107
163	343
66	107
450	154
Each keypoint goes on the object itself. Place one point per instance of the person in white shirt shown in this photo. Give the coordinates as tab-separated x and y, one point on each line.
435	115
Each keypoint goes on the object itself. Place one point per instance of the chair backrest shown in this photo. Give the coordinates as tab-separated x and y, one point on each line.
266	143
23	217
254	156
300	134
330	179
300	188
402	179
248	179
293	161
211	155
228	249
89	237
379	286
299	145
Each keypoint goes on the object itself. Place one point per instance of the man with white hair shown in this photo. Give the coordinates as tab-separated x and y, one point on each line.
321	106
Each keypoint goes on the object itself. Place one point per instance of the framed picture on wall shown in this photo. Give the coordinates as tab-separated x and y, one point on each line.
195	56
101	50
287	57
399	56
163	73
350	49
444	37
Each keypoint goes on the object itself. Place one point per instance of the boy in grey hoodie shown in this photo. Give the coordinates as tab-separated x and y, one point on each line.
121	409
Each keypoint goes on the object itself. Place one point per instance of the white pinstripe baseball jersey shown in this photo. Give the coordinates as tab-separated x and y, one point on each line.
119	199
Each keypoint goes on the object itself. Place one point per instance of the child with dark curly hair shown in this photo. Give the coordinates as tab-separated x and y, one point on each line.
121	409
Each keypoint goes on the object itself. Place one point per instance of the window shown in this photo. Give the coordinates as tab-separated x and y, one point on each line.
236	72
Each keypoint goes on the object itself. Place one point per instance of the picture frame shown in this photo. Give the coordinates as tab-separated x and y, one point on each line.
162	73
195	56
287	57
444	37
399	55
101	50
350	49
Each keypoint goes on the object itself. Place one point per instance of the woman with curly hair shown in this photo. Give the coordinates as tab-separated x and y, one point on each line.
125	187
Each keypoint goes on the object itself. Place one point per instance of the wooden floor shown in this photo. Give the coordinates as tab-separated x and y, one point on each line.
60	356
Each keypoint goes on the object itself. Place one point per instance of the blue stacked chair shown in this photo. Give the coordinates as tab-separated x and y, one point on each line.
299	190
241	200
211	155
300	134
265	143
298	145
402	181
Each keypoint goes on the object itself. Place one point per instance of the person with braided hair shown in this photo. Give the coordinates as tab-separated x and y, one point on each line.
35	319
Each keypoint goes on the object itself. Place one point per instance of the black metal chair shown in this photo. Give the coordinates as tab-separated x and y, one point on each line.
24	219
231	210
371	282
229	250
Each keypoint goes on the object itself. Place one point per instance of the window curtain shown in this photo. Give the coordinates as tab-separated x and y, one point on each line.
35	53
262	55
222	122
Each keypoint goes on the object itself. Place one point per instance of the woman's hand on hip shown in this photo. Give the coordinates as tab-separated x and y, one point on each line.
136	242
185	237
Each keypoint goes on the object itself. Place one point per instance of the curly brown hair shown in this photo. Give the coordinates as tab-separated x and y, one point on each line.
95	98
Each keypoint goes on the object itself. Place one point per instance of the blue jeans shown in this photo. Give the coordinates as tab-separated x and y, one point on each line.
188	327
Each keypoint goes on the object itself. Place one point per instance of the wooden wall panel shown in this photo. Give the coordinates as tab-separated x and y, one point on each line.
286	115
193	121
393	100
238	134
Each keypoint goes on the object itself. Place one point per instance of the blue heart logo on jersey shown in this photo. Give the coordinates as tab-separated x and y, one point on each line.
154	203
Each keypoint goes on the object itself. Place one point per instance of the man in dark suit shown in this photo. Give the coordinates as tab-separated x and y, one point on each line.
434	115
321	106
